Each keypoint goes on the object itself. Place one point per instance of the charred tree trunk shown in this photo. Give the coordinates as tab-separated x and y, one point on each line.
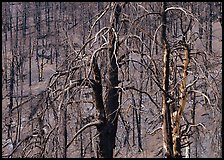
41	66
65	133
30	61
24	18
5	74
108	115
109	132
37	20
11	82
166	128
210	27
100	115
133	124
109	127
47	16
57	42
81	136
138	117
195	130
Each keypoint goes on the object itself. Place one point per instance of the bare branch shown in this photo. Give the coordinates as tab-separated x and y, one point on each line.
180	9
100	16
201	94
155	130
154	37
8	155
191	84
96	123
133	88
195	125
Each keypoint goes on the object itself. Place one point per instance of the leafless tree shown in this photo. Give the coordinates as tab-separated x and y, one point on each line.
122	76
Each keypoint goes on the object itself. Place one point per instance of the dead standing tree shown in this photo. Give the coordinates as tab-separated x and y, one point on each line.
166	128
106	109
171	129
108	127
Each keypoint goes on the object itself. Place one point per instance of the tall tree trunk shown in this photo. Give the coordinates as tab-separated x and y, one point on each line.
206	27
220	13
30	71
138	117
166	127
210	27
56	27
108	127
47	16
11	83
65	135
133	124
5	62
30	60
182	104
100	115
193	118
24	18
18	66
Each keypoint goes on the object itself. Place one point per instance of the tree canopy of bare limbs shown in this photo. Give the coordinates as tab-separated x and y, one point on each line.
111	79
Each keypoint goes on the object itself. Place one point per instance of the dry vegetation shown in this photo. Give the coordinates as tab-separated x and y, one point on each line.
87	79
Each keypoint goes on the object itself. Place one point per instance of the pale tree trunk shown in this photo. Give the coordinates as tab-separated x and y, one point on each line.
182	104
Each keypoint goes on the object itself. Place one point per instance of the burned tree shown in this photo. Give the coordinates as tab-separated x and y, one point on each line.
129	80
106	110
167	128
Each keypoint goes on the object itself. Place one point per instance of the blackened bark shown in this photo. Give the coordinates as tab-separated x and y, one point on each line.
11	76
65	133
57	50
166	129
133	124
47	14
81	136
108	127
38	18
210	27
100	115
42	66
24	18
193	119
138	117
98	92
220	13
111	101
5	74
206	29
11	86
